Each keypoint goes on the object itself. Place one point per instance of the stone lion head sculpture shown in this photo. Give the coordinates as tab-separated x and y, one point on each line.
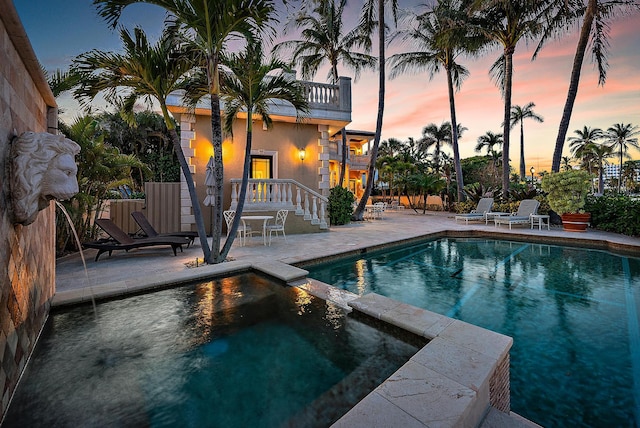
42	167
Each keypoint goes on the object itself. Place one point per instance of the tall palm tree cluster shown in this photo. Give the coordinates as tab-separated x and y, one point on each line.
197	52
593	146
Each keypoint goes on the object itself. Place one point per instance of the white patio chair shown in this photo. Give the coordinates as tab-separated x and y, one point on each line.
378	210
526	208
478	214
281	218
228	218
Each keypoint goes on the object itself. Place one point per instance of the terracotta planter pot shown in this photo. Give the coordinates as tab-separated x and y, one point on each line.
576	222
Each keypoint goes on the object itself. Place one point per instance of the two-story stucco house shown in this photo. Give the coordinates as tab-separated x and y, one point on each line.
293	164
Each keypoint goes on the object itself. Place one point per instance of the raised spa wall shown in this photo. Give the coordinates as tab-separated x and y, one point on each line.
27	253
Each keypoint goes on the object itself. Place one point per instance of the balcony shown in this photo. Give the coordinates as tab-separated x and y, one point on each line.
328	104
360	162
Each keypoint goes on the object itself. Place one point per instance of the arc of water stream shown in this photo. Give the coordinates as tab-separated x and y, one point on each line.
84	262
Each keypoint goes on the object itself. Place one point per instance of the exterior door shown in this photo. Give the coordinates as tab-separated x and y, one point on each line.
261	167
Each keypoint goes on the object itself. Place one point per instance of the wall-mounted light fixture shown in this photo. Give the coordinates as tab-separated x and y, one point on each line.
302	154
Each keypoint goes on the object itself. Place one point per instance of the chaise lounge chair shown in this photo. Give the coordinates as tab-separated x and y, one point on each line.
148	230
527	208
479	214
121	241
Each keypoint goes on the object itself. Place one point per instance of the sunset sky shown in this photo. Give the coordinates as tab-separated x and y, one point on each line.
60	30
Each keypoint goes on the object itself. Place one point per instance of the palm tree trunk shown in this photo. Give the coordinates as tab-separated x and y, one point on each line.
523	169
358	215
188	178
343	166
218	172
243	193
454	136
573	83
620	170
508	78
600	180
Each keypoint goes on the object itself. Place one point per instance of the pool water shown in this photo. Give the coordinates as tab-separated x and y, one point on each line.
572	312
234	352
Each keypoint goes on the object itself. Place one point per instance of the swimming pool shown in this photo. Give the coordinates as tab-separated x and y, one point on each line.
233	352
573	314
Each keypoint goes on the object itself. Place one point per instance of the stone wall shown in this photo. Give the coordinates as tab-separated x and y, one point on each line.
27	253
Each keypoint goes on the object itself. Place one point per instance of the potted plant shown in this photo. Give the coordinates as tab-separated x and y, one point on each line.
567	192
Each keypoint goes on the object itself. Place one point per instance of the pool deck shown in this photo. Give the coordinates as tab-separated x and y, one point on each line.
147	268
157	264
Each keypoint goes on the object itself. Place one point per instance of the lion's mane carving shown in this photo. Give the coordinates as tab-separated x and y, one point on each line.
42	167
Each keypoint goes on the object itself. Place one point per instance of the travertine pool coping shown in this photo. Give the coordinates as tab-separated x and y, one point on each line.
445	384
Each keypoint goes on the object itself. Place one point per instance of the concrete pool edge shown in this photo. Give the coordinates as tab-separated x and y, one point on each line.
280	271
601	244
455	380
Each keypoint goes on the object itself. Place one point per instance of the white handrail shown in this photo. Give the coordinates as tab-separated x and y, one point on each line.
274	194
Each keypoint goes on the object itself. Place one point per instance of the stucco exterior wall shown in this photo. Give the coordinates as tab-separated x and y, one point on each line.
285	139
27	255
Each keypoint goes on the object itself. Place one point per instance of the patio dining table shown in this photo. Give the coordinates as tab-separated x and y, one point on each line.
264	218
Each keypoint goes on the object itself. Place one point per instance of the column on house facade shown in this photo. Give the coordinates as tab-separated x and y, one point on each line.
187	136
323	157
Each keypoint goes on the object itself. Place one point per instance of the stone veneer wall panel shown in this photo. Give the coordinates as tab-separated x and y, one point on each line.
27	258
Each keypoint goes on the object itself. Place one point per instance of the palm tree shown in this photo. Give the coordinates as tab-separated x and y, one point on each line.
506	22
371	19
147	71
436	136
439	40
582	144
212	24
620	137
518	115
599	155
323	41
566	163
595	16
488	140
250	87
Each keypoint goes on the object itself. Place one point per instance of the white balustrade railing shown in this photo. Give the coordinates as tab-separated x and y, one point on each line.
275	194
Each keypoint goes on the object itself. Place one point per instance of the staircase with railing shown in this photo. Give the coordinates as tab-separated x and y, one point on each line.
276	194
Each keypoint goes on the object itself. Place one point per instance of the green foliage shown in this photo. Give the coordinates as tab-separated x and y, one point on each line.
148	139
567	190
101	168
615	213
481	169
465	207
340	206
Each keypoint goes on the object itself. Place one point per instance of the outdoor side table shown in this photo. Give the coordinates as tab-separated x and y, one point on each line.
538	219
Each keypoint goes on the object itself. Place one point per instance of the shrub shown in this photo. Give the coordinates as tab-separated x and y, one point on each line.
567	190
615	213
340	206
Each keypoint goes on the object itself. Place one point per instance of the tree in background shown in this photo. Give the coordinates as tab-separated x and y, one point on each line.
436	136
101	168
439	39
324	40
148	139
595	17
518	115
506	23
374	18
620	138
